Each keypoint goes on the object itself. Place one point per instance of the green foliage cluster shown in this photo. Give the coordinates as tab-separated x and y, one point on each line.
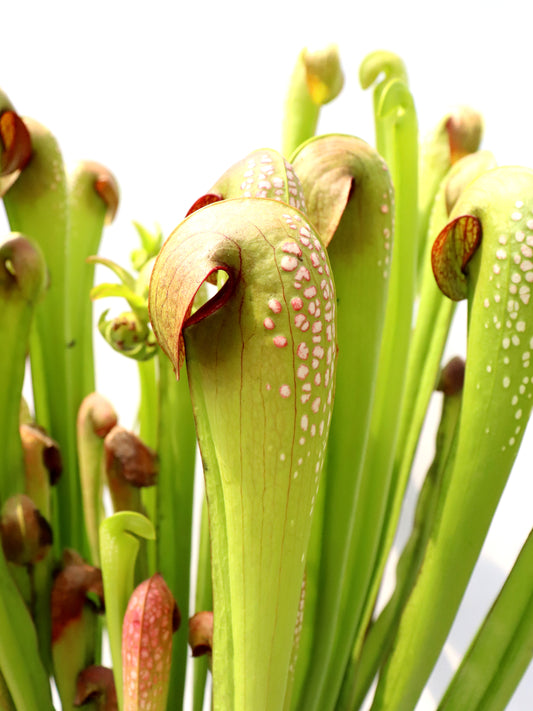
308	296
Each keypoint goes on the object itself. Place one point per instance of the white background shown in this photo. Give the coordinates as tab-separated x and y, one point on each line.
169	94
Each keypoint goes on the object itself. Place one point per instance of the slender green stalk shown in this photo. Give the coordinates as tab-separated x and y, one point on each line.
22	284
120	536
96	417
396	108
379	637
177	456
204	601
93	201
148	412
148	417
501	651
42	467
317	79
20	663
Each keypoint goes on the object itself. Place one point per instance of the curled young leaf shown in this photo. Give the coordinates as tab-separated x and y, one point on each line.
127	334
261	362
381	62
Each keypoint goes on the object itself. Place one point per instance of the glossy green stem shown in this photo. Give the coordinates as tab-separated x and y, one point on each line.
177	456
95	419
378	640
301	112
87	213
22	278
20	663
148	418
501	651
204	601
120	536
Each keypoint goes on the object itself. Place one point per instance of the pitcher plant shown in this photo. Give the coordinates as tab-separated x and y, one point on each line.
289	335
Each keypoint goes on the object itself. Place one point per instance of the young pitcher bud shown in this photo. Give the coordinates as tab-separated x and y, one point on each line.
151	619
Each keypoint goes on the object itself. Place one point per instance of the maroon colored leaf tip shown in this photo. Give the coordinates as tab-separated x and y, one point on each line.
26	535
201	633
207	199
96	684
452	377
451	252
76	585
151	618
99	412
128	458
39	449
16	143
465	129
106	186
193	273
